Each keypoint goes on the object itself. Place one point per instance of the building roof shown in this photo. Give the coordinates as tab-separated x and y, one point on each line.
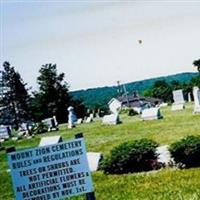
138	101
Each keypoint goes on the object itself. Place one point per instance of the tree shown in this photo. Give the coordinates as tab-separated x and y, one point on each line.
196	63
52	98
14	98
176	85
162	90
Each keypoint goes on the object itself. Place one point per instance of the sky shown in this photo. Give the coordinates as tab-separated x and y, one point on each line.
95	43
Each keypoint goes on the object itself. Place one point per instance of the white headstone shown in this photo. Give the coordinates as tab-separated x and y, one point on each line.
151	114
50	140
196	94
93	160
23	127
164	155
178	100
91	115
189	97
55	120
112	119
79	121
88	120
5	132
114	105
71	117
51	123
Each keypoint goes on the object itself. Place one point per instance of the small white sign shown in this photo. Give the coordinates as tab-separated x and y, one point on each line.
51	172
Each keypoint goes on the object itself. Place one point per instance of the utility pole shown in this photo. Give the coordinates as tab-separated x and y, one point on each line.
119	90
122	91
126	95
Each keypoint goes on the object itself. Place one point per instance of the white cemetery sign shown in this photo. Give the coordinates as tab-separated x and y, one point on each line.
5	132
151	114
196	94
51	172
112	119
178	100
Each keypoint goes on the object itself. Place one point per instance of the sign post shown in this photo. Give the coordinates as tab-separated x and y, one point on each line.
51	172
90	195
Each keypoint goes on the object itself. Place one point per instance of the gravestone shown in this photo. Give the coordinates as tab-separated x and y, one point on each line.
51	123
189	97
94	160
79	121
5	132
50	140
71	117
24	129
196	94
179	102
89	120
112	119
114	105
151	114
164	155
91	116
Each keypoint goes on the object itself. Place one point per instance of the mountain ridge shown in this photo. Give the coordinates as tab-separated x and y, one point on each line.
100	96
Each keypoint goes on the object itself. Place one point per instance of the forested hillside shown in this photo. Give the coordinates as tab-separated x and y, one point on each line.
99	97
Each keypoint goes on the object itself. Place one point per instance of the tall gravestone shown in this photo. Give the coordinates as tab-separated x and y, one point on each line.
113	119
179	102
196	94
189	97
71	117
114	105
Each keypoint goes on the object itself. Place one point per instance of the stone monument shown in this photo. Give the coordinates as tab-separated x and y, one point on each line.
151	114
112	119
71	117
179	102
94	159
196	94
5	132
51	123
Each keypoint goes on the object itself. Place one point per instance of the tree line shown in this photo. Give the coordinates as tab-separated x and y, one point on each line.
18	104
163	90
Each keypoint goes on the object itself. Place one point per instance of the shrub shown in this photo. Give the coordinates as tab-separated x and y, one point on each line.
132	112
128	111
40	128
133	156
187	151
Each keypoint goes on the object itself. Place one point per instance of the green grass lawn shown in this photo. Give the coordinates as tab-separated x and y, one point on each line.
165	184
